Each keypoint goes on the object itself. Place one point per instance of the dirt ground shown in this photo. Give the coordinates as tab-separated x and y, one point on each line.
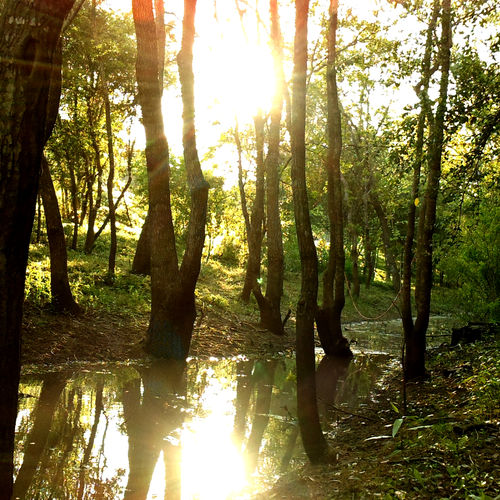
57	339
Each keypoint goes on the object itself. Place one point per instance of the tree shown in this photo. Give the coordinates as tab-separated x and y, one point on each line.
173	308
269	305
62	298
328	318
30	34
307	408
415	332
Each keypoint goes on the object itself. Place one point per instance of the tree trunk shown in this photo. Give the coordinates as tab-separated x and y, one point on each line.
26	56
307	409
355	265
62	298
416	342
270	305
110	183
172	301
93	174
255	231
328	318
369	269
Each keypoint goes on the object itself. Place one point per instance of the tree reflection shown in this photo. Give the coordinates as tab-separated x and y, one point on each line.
90	445
264	375
330	370
36	440
151	422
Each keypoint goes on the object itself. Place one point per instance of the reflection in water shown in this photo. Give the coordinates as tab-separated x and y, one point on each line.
206	429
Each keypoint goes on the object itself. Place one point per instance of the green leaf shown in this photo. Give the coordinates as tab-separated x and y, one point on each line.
396	426
394	407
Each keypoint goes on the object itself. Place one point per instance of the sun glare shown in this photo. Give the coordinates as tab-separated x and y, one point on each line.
233	64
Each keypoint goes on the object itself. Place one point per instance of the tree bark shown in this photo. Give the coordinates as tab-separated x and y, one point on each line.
328	318
255	232
415	344
26	55
270	305
62	298
307	409
416	341
109	185
172	301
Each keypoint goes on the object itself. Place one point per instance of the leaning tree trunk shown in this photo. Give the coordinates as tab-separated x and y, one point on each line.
328	318
26	57
62	298
416	341
307	409
270	305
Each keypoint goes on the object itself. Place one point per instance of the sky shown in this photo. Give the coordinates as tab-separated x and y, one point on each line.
234	71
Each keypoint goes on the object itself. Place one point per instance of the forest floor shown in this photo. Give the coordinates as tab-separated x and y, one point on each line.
447	445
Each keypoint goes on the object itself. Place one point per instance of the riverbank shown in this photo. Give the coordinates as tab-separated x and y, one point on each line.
446	447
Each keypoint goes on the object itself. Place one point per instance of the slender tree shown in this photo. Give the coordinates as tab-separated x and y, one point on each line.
307	409
415	332
61	297
109	185
269	305
254	222
328	318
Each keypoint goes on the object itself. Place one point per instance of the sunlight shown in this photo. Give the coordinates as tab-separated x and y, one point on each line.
212	467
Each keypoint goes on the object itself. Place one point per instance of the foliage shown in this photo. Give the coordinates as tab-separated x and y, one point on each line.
472	265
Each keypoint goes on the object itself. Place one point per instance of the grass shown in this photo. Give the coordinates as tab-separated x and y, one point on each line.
218	290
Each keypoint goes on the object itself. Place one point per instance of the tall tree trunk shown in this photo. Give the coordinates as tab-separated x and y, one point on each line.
355	263
416	341
369	269
255	231
328	318
417	349
74	202
62	298
110	183
93	174
172	301
142	256
26	56
270	305
307	409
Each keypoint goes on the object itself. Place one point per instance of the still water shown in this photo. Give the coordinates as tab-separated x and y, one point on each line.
207	429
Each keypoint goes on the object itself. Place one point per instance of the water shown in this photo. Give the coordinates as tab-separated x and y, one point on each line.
210	429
